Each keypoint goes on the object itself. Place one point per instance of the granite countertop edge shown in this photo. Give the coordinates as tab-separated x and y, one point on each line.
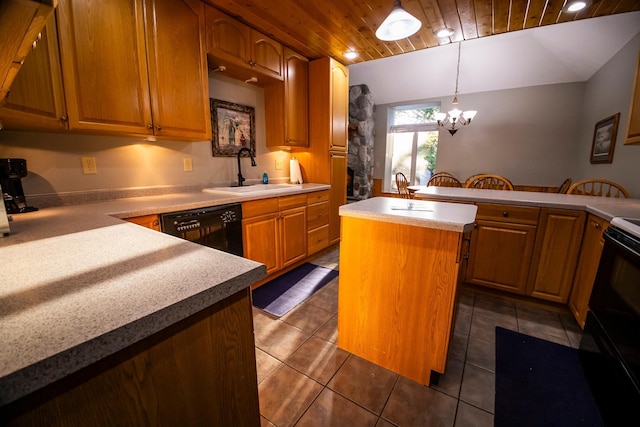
87	223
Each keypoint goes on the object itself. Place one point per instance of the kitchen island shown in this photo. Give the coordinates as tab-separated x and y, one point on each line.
107	322
400	264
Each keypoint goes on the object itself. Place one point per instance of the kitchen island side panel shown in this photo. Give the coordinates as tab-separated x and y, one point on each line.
396	294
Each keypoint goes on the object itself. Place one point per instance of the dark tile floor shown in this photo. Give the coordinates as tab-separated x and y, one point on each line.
304	379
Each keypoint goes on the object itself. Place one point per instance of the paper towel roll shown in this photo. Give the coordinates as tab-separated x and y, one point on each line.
295	175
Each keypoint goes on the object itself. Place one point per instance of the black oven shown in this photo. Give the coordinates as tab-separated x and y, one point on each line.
218	227
610	345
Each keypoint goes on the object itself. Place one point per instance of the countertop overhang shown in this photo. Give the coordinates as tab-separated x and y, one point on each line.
79	283
419	213
604	207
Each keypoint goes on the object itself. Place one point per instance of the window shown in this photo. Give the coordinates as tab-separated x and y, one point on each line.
412	144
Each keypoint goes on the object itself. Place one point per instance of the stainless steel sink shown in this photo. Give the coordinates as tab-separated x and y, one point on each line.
257	188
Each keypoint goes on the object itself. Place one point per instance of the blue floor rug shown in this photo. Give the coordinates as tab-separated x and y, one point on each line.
540	383
283	293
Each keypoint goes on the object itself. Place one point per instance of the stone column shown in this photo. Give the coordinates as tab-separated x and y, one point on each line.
361	139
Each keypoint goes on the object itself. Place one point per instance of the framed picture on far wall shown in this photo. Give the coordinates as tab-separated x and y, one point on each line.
233	127
604	139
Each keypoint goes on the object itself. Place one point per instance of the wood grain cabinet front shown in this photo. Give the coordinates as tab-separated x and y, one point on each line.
231	43
592	244
36	98
149	221
317	221
502	245
556	253
633	128
147	75
274	231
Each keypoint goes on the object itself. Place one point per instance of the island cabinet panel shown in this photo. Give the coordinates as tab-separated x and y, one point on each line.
200	371
556	253
131	78
36	99
592	244
398	285
502	246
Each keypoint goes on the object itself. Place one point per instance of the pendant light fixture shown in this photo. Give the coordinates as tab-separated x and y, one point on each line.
455	119
400	24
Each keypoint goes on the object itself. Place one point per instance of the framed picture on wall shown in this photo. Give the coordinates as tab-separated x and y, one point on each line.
233	127
604	139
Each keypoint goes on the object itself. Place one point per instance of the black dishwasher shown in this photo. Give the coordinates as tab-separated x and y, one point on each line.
218	227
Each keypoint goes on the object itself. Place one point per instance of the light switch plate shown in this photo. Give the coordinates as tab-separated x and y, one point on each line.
278	164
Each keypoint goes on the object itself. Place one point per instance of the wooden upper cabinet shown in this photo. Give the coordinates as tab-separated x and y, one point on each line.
36	98
104	65
20	23
118	82
230	42
633	128
296	99
287	104
339	106
178	69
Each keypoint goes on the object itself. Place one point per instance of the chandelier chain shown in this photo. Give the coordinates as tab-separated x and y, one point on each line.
458	70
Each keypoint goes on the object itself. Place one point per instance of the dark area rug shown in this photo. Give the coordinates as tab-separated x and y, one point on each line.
283	293
540	383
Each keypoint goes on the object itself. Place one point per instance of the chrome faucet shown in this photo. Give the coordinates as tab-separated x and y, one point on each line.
253	163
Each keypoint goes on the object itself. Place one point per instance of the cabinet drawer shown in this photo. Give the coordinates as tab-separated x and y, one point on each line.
317	239
259	207
317	215
318	197
503	213
150	221
288	202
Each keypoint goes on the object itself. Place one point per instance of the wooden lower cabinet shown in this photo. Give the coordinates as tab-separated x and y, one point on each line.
592	245
317	221
274	231
150	221
200	371
556	254
502	246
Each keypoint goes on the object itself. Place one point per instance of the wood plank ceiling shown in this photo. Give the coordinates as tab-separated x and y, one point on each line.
318	28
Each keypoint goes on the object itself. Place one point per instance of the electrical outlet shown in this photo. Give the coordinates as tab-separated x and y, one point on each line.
89	165
278	164
187	164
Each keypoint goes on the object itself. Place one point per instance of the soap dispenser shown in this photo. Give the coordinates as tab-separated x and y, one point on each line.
265	178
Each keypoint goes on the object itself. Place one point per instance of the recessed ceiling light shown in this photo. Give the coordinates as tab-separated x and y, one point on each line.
575	5
351	54
444	32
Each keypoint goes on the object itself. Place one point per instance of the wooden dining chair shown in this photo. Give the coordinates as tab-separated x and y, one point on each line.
402	184
564	187
598	187
489	181
443	179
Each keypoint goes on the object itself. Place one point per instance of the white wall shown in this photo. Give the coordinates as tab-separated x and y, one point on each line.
535	135
53	160
517	133
609	92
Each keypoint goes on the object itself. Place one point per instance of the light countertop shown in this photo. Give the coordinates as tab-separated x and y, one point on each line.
420	213
604	207
79	284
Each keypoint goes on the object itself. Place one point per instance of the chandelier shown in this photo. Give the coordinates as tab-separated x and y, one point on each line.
455	119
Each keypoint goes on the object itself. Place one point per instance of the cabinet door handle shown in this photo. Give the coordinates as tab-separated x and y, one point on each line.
150	126
505	214
155	223
64	119
159	127
597	226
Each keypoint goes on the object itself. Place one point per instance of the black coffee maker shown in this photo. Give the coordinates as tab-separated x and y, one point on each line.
11	173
